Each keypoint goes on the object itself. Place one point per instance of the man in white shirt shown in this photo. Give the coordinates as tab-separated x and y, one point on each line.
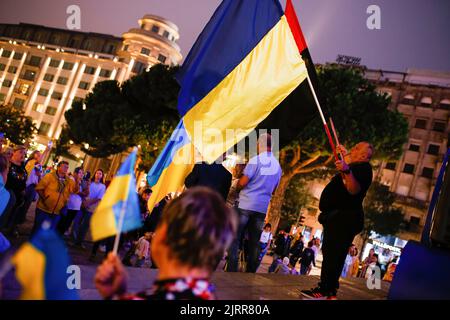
258	183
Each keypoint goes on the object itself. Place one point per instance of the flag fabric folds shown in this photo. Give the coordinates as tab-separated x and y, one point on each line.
242	66
120	195
172	166
245	62
299	108
41	268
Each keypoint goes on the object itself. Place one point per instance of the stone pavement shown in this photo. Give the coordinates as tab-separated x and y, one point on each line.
229	286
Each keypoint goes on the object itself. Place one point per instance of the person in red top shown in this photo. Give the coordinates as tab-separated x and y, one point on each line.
195	230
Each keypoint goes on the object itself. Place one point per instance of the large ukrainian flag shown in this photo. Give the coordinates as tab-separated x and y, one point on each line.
121	194
41	268
244	63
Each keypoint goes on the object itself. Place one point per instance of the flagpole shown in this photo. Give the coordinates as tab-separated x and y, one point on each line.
327	130
335	136
119	227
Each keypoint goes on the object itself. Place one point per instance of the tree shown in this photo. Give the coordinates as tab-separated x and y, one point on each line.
381	215
359	113
296	198
18	127
116	117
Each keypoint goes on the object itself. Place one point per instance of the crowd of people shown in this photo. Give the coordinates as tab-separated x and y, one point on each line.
221	215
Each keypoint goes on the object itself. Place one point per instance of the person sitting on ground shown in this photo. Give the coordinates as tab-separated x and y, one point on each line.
142	251
283	268
193	233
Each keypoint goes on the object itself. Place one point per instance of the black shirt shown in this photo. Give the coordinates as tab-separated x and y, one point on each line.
214	176
17	180
308	257
336	197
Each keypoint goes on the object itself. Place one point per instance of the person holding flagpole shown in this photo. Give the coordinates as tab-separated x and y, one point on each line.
342	215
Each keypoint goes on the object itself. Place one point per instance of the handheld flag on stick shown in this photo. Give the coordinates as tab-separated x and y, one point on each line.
119	209
41	268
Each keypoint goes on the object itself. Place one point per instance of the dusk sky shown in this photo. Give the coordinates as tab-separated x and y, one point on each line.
414	33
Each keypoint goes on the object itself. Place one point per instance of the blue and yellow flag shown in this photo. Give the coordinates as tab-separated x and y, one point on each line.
120	195
243	65
41	268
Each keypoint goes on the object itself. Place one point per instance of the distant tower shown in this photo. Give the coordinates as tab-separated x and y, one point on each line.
154	42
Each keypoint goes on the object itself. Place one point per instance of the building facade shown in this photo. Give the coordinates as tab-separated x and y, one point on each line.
43	70
423	97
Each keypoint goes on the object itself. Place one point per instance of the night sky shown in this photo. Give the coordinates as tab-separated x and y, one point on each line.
414	33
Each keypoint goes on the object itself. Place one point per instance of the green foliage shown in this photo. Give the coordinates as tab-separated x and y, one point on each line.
297	196
17	127
114	118
381	215
359	113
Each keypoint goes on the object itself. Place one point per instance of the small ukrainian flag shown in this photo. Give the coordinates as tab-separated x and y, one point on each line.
120	197
42	266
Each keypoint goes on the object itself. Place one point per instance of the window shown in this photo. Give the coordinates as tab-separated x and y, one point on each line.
24	89
18	55
62	80
145	51
444	104
44	128
408	99
166	34
105	73
18	103
427	172
439	126
426	102
50	111
155	29
138	67
49	77
12	69
2	97
89	70
77	99
43	92
390	166
83	85
414	147
68	66
161	58
420	124
29	75
408	168
57	95
414	220
6	53
35	61
433	149
38	107
2	67
125	47
54	63
7	83
111	48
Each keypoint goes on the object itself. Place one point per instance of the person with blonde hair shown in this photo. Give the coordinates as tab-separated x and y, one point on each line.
194	231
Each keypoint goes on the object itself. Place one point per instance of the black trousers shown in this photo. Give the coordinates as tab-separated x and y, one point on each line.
66	221
340	228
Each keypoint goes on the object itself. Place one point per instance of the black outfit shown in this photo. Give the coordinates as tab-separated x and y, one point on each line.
66	221
296	252
307	257
282	246
214	176
16	183
342	217
152	220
